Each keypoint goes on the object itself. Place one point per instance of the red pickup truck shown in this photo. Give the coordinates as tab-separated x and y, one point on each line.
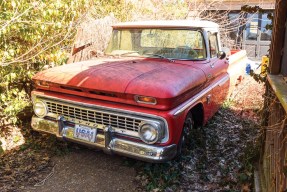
156	82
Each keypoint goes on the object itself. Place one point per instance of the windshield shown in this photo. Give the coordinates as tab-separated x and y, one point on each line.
182	44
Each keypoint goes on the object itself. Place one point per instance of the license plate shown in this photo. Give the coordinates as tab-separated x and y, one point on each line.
85	133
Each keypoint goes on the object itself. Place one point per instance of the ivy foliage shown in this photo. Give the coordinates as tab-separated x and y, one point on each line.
33	31
33	34
258	9
39	34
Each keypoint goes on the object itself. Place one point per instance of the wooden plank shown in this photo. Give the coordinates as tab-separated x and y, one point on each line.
278	33
284	58
279	86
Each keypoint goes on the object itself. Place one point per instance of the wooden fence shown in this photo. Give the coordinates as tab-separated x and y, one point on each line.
273	166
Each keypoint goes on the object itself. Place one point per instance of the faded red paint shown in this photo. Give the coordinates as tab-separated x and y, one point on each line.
170	82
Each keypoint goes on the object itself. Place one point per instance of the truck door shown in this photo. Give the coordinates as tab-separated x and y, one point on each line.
215	72
215	69
217	66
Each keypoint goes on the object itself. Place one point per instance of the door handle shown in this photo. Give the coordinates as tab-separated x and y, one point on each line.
208	99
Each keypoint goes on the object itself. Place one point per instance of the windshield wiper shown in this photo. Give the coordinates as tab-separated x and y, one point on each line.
130	52
160	56
121	53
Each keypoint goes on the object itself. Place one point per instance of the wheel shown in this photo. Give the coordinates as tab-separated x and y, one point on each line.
188	127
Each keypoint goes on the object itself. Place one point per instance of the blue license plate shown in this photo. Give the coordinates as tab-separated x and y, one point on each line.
85	133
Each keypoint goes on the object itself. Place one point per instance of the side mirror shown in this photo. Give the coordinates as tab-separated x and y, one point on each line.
221	54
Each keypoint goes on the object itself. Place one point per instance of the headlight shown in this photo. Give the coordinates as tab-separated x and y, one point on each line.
40	108
150	133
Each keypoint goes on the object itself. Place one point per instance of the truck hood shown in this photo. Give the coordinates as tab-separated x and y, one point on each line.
149	77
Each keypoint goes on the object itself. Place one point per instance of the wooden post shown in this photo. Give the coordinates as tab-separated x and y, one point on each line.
278	33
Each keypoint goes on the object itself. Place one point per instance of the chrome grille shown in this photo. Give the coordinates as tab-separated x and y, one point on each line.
94	116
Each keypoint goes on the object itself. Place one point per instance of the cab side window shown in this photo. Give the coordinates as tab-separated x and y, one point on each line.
213	46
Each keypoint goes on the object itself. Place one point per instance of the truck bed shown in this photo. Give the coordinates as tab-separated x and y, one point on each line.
237	66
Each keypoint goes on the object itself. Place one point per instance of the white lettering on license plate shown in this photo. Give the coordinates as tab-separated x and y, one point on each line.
85	133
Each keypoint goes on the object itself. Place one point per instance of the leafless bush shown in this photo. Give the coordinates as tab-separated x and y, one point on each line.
231	28
159	10
93	34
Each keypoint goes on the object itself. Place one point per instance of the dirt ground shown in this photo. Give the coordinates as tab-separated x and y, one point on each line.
88	170
42	163
213	164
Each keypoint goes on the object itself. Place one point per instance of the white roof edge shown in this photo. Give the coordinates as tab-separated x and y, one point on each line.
168	23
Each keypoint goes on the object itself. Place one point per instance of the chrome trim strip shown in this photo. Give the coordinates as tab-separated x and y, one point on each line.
223	81
195	98
132	114
108	143
154	154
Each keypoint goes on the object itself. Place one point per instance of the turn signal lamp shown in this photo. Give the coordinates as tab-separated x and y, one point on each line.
42	83
145	99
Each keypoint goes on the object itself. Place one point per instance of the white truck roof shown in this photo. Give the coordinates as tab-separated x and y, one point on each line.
168	24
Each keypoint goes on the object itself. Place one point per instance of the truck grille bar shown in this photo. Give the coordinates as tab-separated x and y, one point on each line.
94	116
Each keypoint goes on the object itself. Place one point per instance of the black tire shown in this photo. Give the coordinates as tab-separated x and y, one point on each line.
188	127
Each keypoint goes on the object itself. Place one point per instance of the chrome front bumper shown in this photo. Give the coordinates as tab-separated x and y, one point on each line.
106	140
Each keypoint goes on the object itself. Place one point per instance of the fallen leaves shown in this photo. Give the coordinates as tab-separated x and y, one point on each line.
245	188
10	137
230	146
22	168
223	152
29	163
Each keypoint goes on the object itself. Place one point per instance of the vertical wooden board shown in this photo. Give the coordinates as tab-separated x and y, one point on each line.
277	158
277	36
273	168
284	183
284	159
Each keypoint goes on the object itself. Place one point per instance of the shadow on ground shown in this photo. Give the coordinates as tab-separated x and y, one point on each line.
44	163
